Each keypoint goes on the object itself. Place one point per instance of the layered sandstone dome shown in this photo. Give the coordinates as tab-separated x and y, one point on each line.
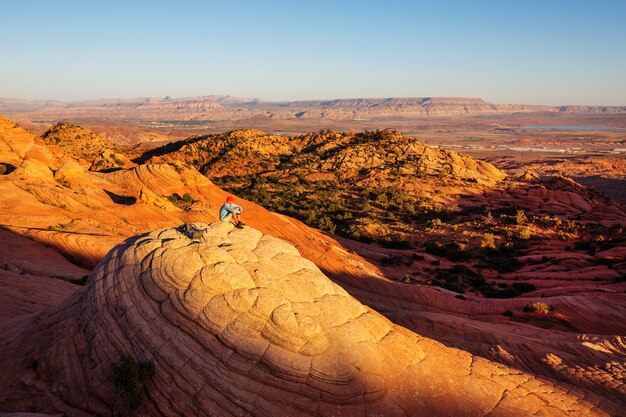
238	323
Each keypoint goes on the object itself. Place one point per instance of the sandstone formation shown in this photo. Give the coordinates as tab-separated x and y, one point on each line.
32	276
82	215
238	323
15	142
109	161
370	157
70	169
77	141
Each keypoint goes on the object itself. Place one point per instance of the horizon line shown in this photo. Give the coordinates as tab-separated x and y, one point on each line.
252	99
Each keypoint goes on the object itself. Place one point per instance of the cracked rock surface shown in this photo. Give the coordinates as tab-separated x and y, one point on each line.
237	323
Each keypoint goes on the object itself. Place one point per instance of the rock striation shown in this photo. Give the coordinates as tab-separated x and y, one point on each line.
237	323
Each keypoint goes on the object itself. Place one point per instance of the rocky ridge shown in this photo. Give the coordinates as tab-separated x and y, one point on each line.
77	141
340	156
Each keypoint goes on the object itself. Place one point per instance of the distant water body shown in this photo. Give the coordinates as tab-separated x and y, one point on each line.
565	127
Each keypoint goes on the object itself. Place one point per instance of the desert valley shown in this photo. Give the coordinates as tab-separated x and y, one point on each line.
401	257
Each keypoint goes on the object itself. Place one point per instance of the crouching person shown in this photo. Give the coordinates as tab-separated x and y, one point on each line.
231	212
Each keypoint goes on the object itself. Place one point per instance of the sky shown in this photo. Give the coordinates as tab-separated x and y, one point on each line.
551	52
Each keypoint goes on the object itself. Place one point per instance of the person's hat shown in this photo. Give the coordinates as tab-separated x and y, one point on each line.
230	198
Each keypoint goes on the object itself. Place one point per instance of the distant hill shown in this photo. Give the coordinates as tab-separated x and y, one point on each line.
221	108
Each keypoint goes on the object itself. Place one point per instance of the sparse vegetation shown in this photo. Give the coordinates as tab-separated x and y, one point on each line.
183	202
131	378
488	241
538	307
459	279
60	227
451	250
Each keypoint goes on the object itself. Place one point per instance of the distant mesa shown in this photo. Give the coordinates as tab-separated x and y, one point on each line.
222	108
235	322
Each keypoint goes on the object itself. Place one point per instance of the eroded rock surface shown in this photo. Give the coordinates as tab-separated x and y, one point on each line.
238	323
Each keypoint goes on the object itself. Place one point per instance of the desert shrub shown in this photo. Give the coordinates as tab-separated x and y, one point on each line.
130	378
60	227
508	313
488	241
434	223
396	260
525	233
503	259
118	161
505	211
550	221
538	307
451	250
459	278
354	231
520	217
183	202
325	223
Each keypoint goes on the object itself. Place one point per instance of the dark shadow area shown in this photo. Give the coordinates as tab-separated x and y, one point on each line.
165	149
611	187
109	170
6	168
8	227
121	199
76	260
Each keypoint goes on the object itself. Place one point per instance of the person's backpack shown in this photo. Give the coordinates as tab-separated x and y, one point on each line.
192	230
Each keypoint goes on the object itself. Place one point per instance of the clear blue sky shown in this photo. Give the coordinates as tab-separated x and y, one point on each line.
536	52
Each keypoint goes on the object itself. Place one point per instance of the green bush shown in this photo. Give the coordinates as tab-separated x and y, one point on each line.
451	250
130	378
459	278
183	202
504	259
325	223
